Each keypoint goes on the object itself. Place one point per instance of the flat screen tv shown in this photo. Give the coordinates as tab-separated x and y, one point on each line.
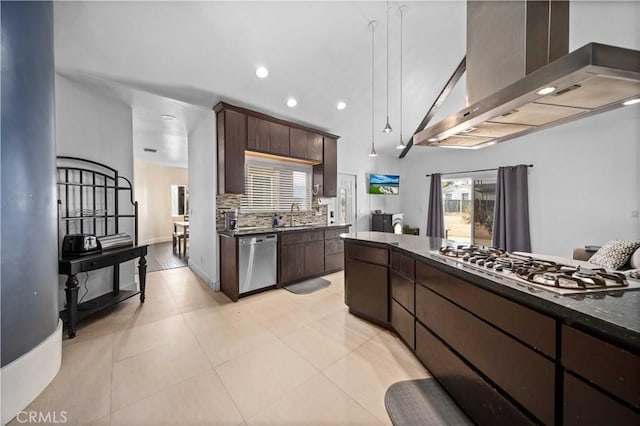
384	184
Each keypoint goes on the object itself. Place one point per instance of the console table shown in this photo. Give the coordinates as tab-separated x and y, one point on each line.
89	203
75	265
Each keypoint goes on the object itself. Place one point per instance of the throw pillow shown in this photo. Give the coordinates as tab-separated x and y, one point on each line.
614	254
634	262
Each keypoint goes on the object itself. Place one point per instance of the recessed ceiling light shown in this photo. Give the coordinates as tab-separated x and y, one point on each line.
150	150
432	140
262	72
631	102
291	102
341	105
168	117
547	90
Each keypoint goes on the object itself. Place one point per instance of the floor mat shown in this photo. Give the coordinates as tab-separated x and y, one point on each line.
422	402
161	256
308	286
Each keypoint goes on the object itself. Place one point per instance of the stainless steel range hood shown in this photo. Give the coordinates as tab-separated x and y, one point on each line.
593	79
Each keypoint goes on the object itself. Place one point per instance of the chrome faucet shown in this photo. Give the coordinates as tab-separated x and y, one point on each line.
297	206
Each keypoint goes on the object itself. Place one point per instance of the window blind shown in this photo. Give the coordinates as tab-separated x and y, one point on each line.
272	186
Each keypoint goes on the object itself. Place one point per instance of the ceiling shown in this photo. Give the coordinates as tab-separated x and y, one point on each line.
172	55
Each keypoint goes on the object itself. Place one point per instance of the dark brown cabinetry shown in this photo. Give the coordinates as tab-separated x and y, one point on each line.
314	257
229	267
240	130
306	145
586	405
483	403
618	370
532	327
381	222
521	372
267	137
292	264
502	361
325	175
403	323
232	142
334	249
366	282
304	254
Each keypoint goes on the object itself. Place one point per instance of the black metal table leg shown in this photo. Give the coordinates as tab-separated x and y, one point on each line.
71	291
142	274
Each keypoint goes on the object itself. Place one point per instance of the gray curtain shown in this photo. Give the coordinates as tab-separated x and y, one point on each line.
511	215
435	215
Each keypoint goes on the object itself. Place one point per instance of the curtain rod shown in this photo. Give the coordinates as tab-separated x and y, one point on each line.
474	171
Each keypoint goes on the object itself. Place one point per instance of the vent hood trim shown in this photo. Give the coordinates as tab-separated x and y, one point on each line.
591	60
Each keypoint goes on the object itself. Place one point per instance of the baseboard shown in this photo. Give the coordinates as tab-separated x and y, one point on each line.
26	377
203	275
156	240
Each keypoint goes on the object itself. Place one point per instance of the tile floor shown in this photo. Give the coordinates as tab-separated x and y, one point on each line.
189	356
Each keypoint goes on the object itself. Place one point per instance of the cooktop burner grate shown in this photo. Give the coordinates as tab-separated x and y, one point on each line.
536	271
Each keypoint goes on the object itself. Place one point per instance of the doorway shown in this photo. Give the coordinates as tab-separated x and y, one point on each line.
347	208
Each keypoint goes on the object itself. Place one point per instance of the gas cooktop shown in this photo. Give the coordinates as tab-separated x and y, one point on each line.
542	273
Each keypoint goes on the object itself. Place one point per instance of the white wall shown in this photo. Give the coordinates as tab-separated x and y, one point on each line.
152	183
585	183
93	124
203	238
352	159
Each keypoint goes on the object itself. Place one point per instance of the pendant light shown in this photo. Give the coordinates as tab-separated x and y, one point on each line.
387	127
373	153
401	10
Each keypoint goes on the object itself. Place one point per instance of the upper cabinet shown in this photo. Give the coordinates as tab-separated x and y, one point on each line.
232	142
267	137
306	145
325	175
241	130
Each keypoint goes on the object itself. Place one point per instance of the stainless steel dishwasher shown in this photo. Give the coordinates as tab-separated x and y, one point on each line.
258	262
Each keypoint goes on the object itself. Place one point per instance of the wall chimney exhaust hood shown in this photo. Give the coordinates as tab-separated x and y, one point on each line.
513	91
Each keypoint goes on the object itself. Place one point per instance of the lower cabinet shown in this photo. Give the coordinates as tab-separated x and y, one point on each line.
313	258
292	262
403	323
303	254
484	404
367	290
585	405
504	362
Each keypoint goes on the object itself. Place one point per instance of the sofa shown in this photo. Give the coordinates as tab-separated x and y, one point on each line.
582	254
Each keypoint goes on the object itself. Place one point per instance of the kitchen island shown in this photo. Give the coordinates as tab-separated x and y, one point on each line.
507	352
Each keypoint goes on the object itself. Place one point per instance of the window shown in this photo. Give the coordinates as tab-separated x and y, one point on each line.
468	209
272	186
179	200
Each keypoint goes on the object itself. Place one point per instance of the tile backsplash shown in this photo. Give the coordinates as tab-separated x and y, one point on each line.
317	216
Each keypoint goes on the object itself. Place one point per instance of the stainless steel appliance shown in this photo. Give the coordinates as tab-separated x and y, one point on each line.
115	241
258	262
521	77
80	244
542	273
231	220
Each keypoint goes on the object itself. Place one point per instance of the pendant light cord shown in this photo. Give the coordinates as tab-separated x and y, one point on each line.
373	30
387	61
401	21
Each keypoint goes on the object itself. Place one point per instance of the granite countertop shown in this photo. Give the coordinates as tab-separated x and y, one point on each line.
614	315
279	229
